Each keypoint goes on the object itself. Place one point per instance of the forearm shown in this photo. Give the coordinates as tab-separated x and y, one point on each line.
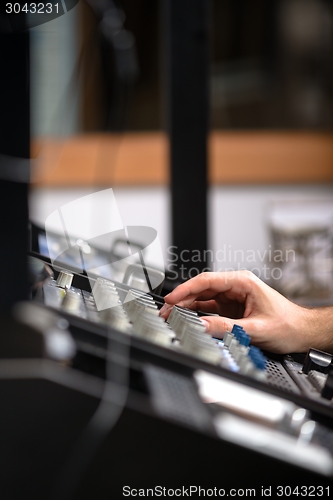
318	328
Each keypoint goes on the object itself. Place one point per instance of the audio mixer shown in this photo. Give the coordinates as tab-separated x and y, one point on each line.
183	392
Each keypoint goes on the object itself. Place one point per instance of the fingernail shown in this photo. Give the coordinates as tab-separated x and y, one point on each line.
164	309
205	324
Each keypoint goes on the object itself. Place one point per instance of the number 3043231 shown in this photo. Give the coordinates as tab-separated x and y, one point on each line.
32	8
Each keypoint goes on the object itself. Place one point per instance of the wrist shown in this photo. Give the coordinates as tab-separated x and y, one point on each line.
317	328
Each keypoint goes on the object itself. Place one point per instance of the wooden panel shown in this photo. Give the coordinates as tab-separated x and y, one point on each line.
142	159
102	159
270	157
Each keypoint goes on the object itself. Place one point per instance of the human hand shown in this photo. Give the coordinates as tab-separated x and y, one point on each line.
273	322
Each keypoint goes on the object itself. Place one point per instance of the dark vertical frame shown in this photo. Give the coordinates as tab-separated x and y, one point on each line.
14	146
186	52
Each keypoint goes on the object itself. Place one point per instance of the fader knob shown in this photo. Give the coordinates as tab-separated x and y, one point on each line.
65	279
71	302
317	360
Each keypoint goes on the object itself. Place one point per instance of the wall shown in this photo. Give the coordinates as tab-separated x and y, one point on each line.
238	215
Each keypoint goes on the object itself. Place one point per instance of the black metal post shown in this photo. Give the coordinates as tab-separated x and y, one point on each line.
186	105
14	166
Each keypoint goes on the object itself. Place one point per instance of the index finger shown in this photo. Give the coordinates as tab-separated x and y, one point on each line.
235	285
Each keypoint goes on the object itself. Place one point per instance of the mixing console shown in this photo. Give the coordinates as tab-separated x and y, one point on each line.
136	313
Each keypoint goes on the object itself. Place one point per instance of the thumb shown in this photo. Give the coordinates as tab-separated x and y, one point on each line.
218	325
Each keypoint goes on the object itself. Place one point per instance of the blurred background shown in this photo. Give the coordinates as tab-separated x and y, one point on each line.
99	118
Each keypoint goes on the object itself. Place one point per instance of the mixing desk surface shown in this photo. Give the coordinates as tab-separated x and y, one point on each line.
136	313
